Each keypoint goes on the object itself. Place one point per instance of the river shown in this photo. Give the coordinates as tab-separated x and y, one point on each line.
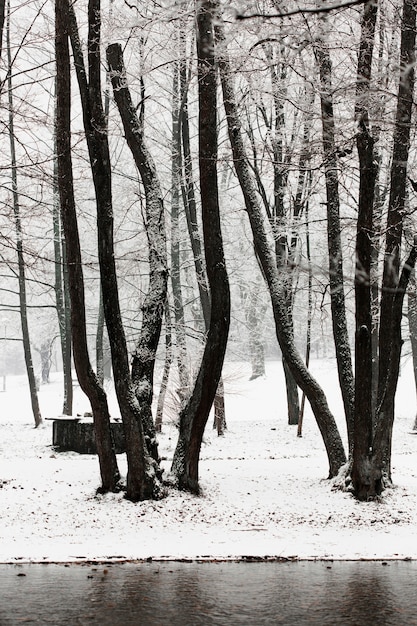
188	594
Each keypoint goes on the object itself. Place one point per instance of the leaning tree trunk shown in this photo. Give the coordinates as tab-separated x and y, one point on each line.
194	416
89	383
143	360
278	76
336	280
142	481
19	242
325	420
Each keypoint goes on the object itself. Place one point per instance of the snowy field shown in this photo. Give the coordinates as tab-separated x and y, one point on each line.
265	492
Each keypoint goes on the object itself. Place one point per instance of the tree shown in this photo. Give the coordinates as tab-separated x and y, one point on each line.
88	380
143	359
336	278
142	479
275	282
21	274
371	470
194	415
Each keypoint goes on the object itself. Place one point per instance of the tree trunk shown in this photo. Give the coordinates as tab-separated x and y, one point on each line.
142	482
167	366
371	471
388	334
181	343
191	215
336	279
276	285
87	379
361	473
309	317
19	241
194	416
143	360
100	340
63	305
412	326
278	218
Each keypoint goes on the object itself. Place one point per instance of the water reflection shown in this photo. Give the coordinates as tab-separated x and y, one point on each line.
190	594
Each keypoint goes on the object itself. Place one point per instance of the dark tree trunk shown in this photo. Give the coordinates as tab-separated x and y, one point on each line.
385	415
191	216
336	279
277	288
371	470
362	479
389	334
87	379
143	360
194	416
141	476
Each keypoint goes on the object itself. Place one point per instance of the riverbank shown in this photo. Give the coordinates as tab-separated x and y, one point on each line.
265	492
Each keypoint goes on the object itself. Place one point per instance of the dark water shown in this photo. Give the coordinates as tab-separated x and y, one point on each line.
188	594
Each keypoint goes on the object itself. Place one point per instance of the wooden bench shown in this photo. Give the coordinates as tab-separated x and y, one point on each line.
77	434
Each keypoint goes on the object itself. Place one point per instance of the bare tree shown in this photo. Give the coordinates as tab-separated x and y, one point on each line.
194	416
336	277
142	476
325	420
21	273
143	359
88	380
371	470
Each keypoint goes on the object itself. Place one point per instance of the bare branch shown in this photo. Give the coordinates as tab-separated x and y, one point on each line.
322	8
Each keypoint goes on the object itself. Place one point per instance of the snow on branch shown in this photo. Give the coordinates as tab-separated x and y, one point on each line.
320	8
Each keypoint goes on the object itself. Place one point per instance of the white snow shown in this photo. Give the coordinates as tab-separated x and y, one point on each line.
265	491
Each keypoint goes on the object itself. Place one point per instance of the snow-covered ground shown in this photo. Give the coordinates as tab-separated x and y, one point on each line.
265	491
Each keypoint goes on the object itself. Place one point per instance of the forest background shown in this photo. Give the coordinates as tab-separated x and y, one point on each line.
172	171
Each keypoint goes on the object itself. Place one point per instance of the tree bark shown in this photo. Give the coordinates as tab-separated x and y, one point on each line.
190	206
391	294
194	416
143	359
336	278
89	383
363	416
325	420
142	482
